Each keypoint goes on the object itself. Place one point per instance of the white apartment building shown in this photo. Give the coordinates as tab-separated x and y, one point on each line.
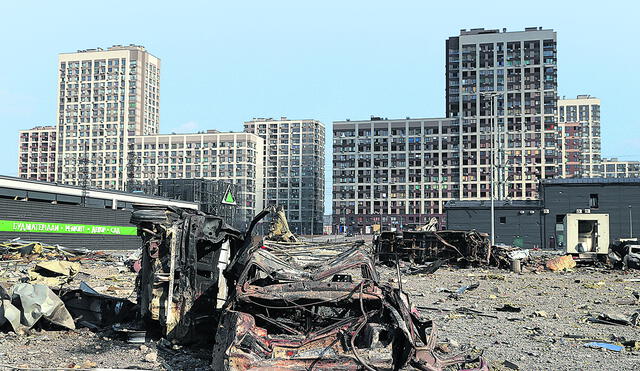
105	98
37	153
615	168
505	83
397	173
579	137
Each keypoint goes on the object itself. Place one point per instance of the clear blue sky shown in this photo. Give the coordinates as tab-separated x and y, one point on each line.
227	62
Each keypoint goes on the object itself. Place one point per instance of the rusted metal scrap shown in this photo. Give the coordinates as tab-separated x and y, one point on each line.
180	283
279	229
286	312
94	310
466	248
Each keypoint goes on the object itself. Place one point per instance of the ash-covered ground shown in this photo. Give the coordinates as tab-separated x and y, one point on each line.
549	332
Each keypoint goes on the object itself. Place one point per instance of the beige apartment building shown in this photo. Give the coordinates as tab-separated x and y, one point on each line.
233	157
397	172
615	168
579	137
105	99
502	87
107	132
37	153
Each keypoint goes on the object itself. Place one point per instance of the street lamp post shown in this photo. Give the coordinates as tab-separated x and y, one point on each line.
630	223
491	176
493	209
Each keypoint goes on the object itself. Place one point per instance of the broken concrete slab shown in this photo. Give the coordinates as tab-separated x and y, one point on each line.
54	273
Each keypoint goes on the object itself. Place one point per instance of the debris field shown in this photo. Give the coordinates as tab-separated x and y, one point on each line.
576	318
537	320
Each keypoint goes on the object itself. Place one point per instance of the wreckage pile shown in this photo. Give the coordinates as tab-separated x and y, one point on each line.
267	302
35	287
461	248
292	312
282	302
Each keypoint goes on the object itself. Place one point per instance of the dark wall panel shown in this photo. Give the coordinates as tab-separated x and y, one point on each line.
516	227
37	211
613	199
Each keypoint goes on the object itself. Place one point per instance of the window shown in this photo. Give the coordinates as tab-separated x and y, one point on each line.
503	220
593	200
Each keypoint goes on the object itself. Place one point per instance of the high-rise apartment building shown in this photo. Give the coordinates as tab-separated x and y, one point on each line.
579	137
233	157
501	108
107	137
294	169
614	168
105	98
395	173
512	77
37	153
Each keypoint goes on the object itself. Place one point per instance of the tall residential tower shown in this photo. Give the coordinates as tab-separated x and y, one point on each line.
579	137
294	169
105	97
512	77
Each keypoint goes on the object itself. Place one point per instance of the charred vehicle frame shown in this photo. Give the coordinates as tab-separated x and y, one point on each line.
291	313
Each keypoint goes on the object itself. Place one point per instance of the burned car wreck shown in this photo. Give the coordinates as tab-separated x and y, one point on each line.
180	283
462	248
287	313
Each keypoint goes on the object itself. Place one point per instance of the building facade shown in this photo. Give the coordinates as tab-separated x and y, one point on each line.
105	98
294	169
232	157
37	151
512	77
396	173
541	222
517	222
579	137
72	216
614	168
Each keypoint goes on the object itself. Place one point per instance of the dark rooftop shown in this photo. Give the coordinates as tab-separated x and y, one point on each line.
587	181
463	204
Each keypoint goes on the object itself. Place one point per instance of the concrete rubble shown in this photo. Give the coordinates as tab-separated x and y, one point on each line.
202	295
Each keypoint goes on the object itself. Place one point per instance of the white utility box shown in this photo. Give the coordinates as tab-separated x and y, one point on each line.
587	235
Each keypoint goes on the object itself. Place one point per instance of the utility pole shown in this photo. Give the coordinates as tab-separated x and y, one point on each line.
85	172
493	108
630	223
493	207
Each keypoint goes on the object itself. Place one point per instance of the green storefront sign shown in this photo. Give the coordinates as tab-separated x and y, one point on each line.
42	227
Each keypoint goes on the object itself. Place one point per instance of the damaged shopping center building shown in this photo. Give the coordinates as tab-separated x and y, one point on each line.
541	223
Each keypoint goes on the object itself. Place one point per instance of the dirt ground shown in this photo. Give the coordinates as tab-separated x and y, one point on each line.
548	333
551	329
